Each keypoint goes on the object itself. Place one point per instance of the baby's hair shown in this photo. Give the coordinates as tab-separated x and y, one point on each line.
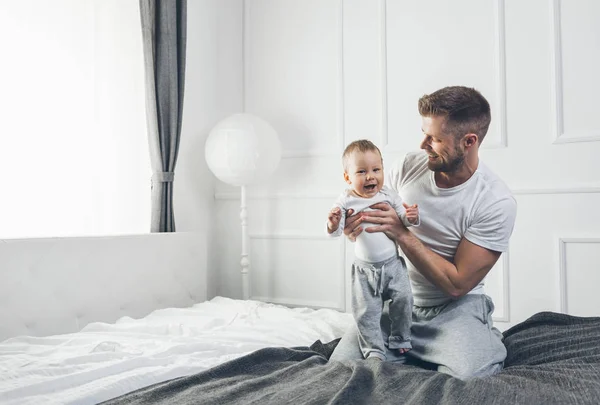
362	145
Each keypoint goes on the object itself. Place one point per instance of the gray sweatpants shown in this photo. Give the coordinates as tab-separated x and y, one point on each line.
456	338
372	285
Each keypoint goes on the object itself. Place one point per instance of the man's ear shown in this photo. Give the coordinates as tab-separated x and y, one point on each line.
471	140
347	178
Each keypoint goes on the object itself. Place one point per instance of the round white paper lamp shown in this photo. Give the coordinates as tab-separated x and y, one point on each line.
240	150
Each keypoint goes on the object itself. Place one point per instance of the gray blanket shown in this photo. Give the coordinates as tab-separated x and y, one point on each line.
552	359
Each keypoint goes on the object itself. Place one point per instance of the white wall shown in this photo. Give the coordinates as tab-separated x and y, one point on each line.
327	72
214	77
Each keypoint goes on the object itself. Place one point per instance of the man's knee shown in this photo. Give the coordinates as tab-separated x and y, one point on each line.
465	371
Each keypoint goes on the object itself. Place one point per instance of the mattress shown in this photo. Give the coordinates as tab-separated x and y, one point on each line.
104	361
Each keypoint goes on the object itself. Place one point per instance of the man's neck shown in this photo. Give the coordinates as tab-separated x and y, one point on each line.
457	177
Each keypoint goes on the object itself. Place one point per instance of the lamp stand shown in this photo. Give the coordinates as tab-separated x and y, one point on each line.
245	262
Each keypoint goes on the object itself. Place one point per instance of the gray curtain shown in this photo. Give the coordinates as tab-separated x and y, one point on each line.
164	37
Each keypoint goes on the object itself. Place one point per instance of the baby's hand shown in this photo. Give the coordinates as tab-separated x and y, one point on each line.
333	219
412	213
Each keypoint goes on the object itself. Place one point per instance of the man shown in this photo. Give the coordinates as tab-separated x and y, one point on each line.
467	217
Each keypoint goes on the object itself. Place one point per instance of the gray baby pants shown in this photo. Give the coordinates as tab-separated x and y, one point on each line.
456	338
372	284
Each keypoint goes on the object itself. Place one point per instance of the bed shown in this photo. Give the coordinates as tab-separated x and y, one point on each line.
552	359
105	360
125	320
226	351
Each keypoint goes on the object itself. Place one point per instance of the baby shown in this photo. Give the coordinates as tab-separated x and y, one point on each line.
378	272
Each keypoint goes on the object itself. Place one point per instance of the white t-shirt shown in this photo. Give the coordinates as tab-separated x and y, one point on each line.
371	247
482	210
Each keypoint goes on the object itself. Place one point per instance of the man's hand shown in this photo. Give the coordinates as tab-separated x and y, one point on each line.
412	213
386	220
333	219
353	228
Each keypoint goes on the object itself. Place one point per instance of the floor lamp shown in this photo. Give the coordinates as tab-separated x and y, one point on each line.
241	150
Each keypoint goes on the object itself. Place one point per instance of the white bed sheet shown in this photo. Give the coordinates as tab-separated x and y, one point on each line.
104	361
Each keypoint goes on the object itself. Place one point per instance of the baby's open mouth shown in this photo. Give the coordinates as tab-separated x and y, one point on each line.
371	187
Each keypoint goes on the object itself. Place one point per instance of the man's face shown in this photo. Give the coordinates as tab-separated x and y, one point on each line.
365	173
445	153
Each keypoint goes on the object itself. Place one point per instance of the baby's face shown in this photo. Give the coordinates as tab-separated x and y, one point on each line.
365	173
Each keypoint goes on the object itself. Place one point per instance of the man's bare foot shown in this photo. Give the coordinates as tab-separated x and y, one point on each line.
402	351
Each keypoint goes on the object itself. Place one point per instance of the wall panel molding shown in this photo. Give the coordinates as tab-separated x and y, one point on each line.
563	266
557	190
499	77
332	195
505	290
290	302
383	125
245	51
291	235
310	153
556	85
339	305
593	136
340	134
341	110
277	196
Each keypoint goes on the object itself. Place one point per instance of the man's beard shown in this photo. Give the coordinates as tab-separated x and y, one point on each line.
450	166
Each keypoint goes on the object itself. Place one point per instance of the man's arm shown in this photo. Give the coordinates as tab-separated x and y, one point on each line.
471	262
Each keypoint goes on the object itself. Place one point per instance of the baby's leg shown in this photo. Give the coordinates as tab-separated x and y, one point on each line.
367	308
400	307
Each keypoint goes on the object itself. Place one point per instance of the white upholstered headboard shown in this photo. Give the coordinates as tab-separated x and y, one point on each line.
58	285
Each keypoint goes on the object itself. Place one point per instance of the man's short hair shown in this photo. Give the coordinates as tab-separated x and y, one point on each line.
465	109
362	145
